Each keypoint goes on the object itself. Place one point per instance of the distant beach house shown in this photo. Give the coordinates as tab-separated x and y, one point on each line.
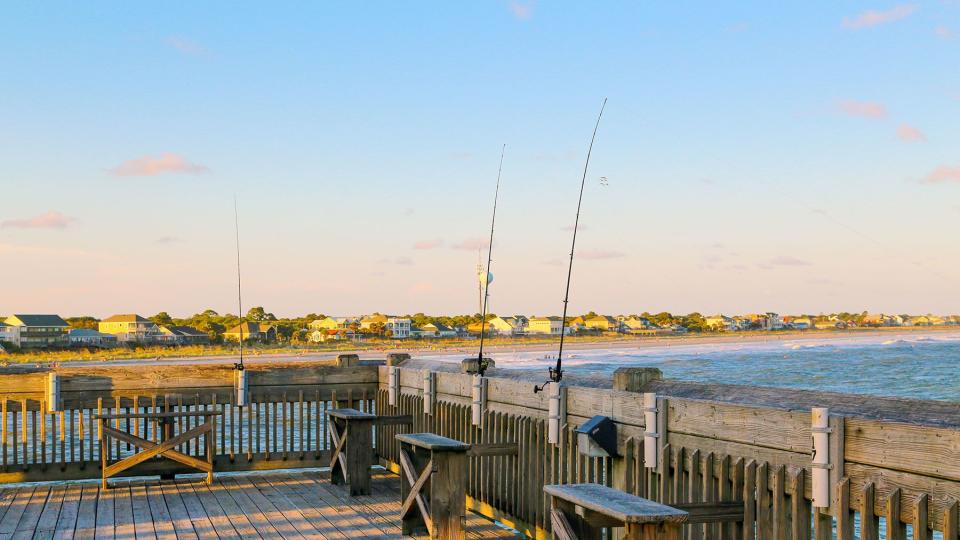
545	326
925	320
130	328
86	337
873	319
9	334
399	328
434	330
332	323
183	335
37	331
801	323
637	325
251	331
720	323
603	323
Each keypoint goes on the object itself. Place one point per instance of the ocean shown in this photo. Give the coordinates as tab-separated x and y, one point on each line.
912	364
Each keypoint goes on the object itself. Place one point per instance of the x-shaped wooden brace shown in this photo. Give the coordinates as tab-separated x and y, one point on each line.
151	449
339	442
416	484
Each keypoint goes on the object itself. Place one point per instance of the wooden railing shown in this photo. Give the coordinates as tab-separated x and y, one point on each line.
892	478
281	427
888	478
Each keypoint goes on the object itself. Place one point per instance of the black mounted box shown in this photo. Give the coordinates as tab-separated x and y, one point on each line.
597	437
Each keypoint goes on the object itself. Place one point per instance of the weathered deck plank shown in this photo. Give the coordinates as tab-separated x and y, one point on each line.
268	506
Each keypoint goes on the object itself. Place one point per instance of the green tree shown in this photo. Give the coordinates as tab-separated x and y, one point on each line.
258	314
84	321
162	318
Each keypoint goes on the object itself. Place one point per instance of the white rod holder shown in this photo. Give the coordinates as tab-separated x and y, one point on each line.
479	402
241	387
553	413
650	434
429	392
53	392
820	428
393	388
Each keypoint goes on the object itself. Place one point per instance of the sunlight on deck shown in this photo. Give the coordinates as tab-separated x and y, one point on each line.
278	505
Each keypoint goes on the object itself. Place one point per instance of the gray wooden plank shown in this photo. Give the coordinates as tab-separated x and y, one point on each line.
35	508
222	523
142	516
281	499
257	516
47	523
198	516
343	516
8	525
244	527
363	506
124	526
105	523
87	513
178	512
69	512
162	523
320	515
253	499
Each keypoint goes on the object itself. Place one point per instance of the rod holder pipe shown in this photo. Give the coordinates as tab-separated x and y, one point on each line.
393	386
553	413
650	435
429	392
53	392
820	428
479	402
241	387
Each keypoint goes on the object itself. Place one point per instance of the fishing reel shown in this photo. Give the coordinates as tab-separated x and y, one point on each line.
555	375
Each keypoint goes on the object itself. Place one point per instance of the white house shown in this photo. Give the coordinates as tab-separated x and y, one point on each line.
399	328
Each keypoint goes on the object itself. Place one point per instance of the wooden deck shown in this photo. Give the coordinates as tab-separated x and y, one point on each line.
270	505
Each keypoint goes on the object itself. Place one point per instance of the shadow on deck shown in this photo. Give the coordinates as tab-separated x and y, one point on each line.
269	505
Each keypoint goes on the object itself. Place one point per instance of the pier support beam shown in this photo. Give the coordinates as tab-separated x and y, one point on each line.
633	379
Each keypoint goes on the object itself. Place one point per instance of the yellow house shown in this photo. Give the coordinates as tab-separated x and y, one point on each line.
603	323
130	327
331	323
545	325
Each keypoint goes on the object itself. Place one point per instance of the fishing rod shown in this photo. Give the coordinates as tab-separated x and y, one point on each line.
236	229
556	373
481	361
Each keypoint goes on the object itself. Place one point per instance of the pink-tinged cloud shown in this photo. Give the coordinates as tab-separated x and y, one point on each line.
50	220
864	109
873	17
186	46
943	173
598	254
909	133
787	260
521	10
472	244
428	244
164	164
943	32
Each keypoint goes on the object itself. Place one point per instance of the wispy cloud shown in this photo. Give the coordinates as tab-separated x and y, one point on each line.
428	244
787	260
865	109
942	174
49	220
521	10
472	244
909	133
187	46
152	166
943	32
872	17
168	240
599	254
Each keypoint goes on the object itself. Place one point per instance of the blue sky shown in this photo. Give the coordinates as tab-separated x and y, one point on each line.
760	156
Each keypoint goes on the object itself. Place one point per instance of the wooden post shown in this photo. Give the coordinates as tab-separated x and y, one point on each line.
447	489
633	379
397	359
348	360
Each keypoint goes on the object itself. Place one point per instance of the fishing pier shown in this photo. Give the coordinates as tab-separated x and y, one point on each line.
461	456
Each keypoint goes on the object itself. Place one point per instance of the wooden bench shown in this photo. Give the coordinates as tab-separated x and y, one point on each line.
351	432
433	482
581	511
168	443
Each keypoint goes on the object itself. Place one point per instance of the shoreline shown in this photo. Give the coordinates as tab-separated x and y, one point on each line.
599	343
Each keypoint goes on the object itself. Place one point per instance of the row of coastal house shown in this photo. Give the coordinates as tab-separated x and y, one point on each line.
773	321
30	331
330	328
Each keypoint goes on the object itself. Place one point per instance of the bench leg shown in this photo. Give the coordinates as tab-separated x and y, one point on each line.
360	457
412	523
580	528
448	490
